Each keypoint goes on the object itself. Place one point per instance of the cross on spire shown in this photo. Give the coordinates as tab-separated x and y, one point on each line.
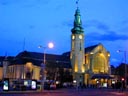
77	3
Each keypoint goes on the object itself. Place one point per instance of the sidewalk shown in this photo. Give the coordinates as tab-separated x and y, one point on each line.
62	90
33	91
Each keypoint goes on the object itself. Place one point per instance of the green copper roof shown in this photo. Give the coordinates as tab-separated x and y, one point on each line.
77	23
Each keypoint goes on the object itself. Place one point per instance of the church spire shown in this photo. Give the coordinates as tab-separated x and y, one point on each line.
77	21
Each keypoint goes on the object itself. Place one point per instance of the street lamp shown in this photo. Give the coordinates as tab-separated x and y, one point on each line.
50	45
125	52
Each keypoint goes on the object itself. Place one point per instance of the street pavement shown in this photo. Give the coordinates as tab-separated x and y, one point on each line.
68	92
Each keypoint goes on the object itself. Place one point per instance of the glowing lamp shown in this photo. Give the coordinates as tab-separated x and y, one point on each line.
122	79
50	45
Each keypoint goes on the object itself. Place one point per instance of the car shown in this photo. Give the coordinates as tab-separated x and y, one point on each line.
52	86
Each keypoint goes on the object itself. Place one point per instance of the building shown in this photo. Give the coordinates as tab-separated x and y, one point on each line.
97	65
4	62
27	66
77	48
88	64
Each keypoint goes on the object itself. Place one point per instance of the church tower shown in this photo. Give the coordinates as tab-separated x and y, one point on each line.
77	55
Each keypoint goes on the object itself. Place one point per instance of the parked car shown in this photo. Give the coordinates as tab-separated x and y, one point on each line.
52	86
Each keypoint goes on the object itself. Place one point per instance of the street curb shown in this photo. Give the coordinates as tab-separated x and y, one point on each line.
23	92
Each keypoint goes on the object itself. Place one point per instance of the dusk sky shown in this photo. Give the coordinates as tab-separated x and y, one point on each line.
37	22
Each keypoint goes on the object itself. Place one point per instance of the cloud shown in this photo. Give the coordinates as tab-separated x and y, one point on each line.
94	23
86	24
121	26
6	2
29	2
97	34
124	26
114	60
68	23
125	22
108	36
31	26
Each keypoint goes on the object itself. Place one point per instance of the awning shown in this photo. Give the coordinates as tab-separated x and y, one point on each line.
101	76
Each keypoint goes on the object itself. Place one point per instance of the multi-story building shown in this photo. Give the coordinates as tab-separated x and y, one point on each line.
88	64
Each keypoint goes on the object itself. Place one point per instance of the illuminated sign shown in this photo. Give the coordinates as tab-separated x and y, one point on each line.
34	84
6	84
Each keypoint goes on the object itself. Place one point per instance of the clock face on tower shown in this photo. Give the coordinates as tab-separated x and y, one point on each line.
80	37
73	37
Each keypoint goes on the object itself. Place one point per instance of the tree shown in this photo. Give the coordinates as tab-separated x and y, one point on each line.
120	70
113	70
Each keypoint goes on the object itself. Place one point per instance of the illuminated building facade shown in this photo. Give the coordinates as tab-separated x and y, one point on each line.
27	66
88	64
97	65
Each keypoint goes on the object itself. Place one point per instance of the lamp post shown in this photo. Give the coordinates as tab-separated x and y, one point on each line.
125	52
50	45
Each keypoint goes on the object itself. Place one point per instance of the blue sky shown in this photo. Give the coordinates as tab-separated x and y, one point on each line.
38	22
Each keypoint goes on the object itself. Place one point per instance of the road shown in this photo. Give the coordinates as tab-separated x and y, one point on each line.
69	92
